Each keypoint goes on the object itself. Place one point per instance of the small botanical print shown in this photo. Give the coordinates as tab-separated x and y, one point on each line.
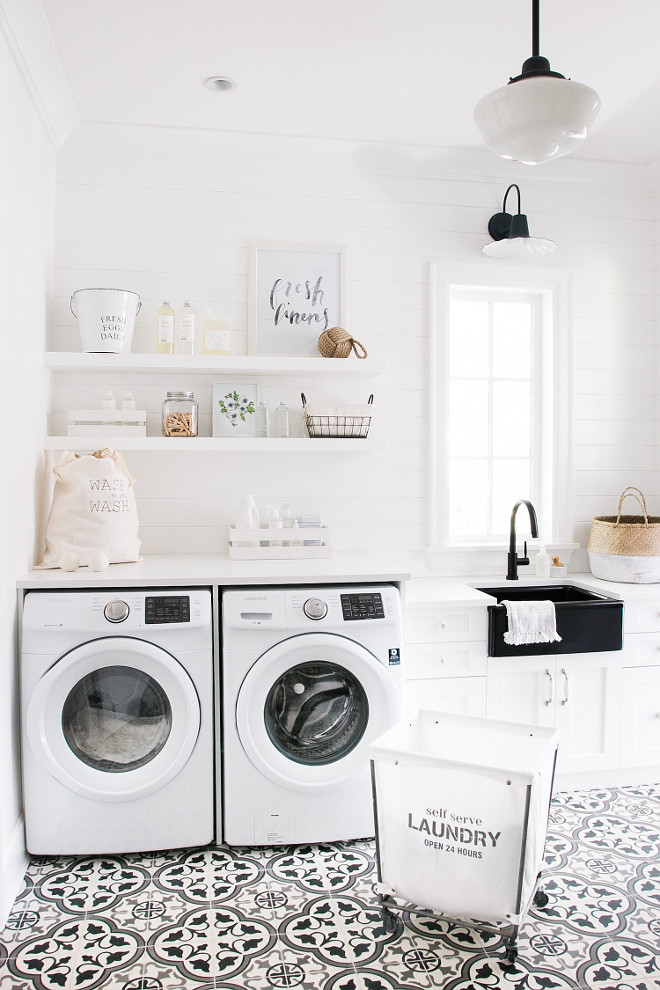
236	407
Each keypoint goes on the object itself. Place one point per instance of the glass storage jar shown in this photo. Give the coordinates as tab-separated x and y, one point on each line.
180	413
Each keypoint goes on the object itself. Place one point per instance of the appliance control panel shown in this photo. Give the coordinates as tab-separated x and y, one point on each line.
166	608
365	605
117	611
319	607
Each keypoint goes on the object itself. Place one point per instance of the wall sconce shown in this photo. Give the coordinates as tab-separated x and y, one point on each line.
538	115
510	233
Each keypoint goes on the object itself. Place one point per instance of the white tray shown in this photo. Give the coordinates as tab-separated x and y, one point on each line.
241	543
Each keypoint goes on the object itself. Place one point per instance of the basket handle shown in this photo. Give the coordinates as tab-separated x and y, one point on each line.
630	490
304	400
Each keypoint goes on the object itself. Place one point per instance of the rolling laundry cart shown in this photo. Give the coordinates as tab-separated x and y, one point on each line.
461	807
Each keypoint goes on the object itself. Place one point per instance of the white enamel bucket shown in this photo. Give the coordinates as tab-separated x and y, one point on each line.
106	318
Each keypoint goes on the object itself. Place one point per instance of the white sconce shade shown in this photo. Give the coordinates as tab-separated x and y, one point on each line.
537	119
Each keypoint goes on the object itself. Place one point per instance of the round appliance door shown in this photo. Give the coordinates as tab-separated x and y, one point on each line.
309	708
114	719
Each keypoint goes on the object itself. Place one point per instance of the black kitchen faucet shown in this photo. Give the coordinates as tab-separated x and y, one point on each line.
513	559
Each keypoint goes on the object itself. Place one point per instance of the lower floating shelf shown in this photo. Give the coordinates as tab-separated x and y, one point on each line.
200	444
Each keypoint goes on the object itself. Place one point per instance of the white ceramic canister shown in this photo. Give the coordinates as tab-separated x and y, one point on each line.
106	318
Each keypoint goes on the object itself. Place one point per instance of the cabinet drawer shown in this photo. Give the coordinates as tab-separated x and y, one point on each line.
456	695
641	650
641	616
431	660
435	624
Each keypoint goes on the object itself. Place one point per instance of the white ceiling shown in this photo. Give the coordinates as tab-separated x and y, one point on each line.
395	71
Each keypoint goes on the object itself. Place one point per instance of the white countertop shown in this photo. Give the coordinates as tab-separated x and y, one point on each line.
161	570
462	589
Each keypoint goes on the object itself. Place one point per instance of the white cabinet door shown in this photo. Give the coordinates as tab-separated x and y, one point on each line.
577	693
522	689
640	717
587	704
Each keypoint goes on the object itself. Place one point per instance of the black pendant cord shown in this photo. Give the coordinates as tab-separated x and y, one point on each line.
536	48
536	64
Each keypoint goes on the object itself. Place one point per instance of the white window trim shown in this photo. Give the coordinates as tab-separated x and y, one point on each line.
555	286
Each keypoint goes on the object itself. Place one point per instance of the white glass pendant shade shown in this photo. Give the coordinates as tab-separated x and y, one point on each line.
537	119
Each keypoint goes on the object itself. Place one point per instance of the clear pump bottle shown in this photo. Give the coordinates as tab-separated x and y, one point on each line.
165	329
262	420
185	330
281	421
542	562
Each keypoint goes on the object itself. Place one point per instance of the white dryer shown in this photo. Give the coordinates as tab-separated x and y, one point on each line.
117	720
310	677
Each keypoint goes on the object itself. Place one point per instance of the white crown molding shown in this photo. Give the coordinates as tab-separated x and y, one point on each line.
24	25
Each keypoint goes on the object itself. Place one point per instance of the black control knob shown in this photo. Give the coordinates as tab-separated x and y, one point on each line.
116	610
315	608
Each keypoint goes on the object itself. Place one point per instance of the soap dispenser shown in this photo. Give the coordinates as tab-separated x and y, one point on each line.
542	562
247	517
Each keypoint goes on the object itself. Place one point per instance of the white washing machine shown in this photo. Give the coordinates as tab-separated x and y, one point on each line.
310	677
117	720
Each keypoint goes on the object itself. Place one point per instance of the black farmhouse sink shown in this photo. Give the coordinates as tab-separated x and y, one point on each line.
586	621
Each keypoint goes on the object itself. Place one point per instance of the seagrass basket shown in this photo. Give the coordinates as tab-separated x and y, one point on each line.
626	548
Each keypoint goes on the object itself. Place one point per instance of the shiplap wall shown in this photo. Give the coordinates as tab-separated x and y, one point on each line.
171	215
27	172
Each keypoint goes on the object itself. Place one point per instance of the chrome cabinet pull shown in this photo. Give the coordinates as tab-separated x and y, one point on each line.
565	698
551	688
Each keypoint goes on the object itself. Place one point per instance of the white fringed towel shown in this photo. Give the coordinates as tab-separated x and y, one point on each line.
531	622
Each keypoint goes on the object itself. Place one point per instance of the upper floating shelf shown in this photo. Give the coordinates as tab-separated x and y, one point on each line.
240	364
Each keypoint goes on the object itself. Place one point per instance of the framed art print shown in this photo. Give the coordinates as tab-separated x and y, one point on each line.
296	292
234	407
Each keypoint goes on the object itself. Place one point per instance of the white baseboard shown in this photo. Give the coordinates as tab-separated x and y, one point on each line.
622	777
14	865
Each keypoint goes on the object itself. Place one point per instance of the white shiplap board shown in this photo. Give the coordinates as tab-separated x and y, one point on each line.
172	216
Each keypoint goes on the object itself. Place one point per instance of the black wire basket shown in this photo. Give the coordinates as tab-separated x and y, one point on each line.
348	422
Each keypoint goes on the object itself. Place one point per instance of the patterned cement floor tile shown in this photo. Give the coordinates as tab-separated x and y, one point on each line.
208	875
309	917
77	952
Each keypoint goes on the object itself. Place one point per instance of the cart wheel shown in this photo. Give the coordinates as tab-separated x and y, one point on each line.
389	919
510	952
541	898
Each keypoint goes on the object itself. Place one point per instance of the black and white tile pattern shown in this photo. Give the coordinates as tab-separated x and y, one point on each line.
307	917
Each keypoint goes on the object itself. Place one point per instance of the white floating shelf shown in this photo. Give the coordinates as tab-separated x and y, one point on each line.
199	444
301	367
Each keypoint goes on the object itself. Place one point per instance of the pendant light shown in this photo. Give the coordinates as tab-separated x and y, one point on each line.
539	115
510	235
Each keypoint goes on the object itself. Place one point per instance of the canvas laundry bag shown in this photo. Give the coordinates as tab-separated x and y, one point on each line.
93	509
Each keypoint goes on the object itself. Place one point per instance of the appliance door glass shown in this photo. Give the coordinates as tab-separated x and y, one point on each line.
309	708
115	718
316	712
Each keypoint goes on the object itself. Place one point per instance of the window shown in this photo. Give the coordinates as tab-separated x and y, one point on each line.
499	422
493	409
